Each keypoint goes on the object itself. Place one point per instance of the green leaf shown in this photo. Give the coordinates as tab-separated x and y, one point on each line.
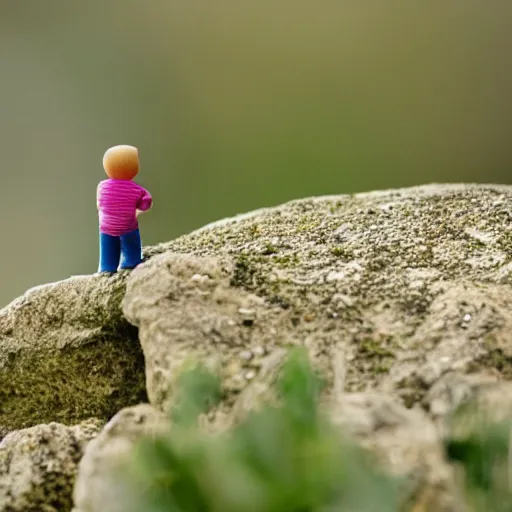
300	389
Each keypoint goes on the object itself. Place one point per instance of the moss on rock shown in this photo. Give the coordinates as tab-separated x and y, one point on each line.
68	354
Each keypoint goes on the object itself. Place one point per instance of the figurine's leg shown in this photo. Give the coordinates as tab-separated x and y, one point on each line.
131	250
110	252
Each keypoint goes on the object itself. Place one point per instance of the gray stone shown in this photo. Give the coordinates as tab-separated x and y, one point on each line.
405	442
102	484
485	402
38	466
454	390
389	291
401	297
67	354
407	285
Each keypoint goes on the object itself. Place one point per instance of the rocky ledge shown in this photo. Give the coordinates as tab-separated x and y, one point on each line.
402	298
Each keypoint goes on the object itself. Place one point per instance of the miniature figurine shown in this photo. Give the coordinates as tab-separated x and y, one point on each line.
119	202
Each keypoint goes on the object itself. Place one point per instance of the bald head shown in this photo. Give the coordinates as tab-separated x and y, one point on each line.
121	162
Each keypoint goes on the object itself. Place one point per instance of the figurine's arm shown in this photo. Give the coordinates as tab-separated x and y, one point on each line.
145	202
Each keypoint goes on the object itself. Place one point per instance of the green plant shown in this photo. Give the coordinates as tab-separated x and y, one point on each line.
282	458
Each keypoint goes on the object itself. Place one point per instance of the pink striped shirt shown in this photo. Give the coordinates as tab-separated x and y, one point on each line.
117	202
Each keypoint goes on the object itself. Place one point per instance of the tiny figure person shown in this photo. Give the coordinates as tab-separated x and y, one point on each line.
119	201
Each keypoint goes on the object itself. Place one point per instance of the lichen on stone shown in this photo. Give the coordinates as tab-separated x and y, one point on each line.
67	354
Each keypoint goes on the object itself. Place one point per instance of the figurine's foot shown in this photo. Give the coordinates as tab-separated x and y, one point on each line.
130	266
106	273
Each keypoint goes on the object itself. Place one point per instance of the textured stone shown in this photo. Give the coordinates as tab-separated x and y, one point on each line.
406	442
101	482
67	354
455	389
389	291
401	297
403	285
484	402
38	466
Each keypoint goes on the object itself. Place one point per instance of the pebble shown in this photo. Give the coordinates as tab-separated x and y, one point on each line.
335	276
258	351
199	277
246	354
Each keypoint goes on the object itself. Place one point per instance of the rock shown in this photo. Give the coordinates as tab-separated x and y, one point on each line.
101	481
406	284
402	298
405	442
476	433
465	329
469	403
389	291
67	354
38	466
455	389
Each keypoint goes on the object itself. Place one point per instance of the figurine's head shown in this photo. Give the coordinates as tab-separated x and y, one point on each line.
121	162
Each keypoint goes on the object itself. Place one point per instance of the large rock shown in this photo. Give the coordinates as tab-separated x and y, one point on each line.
67	354
389	291
403	286
38	466
402	298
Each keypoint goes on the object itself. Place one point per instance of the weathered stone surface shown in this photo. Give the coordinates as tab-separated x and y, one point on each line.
38	466
405	442
402	298
389	291
403	285
101	481
461	404
455	389
67	354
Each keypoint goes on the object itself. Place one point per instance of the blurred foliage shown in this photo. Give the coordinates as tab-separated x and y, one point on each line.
282	458
289	457
484	453
234	106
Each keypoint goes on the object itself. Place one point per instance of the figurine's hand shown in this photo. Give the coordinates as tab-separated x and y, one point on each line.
138	212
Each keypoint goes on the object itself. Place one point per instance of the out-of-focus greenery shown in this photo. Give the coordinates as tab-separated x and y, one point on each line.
236	105
290	458
485	455
282	458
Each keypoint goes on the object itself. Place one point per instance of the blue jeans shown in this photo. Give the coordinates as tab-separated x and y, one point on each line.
123	251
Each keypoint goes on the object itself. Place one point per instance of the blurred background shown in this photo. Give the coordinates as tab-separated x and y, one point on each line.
235	106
